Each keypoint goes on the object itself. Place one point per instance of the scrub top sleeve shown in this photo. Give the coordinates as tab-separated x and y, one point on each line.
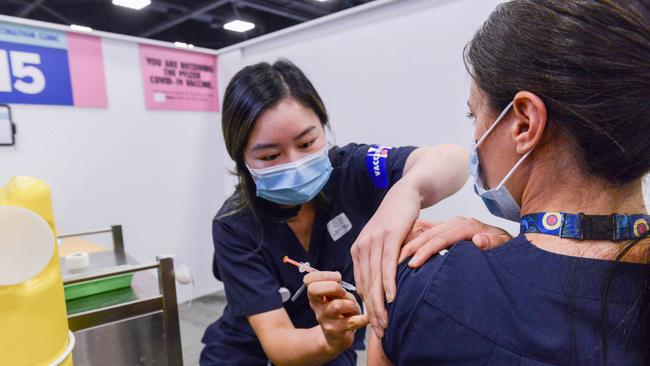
250	286
412	285
377	169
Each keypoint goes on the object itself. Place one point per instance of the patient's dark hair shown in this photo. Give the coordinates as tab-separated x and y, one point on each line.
589	61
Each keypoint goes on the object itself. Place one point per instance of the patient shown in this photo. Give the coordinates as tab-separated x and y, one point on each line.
561	105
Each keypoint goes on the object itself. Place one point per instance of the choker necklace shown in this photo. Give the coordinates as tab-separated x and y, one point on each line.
579	226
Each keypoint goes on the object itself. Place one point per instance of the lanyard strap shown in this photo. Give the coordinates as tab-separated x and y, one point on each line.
579	226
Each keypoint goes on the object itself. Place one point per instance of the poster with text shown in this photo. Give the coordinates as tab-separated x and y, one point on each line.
43	66
178	79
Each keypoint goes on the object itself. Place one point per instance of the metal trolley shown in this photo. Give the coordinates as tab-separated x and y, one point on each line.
136	325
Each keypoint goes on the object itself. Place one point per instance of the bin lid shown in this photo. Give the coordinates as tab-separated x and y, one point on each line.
26	245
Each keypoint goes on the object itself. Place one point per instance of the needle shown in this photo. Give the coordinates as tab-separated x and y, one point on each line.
305	267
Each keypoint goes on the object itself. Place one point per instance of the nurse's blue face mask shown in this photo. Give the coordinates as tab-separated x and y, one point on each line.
293	183
498	200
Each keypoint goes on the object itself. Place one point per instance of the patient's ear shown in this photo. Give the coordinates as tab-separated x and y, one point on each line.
530	124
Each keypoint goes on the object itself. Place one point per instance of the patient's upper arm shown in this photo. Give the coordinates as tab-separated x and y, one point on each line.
412	284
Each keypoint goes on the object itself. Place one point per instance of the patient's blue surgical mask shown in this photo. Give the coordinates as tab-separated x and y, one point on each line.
293	183
497	200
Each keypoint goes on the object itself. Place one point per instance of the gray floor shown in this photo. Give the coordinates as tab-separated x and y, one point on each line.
195	318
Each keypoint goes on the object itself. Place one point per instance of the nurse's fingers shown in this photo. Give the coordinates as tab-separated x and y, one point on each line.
359	260
419	227
358	321
357	275
392	244
492	239
374	299
457	229
361	266
320	292
334	329
318	276
339	307
351	297
413	245
442	237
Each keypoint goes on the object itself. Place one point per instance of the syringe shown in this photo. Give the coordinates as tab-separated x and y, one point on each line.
305	267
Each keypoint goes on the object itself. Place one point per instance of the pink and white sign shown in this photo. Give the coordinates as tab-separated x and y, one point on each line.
44	66
179	80
87	71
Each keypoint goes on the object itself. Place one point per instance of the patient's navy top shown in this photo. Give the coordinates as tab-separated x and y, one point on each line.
249	252
515	305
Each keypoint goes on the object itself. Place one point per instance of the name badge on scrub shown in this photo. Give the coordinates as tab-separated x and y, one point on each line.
339	226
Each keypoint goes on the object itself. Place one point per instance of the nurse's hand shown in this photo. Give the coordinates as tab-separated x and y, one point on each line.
429	176
377	248
337	311
425	239
428	238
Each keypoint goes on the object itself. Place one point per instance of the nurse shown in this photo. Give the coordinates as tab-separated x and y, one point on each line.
300	197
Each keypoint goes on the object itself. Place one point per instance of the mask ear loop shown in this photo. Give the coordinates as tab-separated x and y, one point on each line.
505	179
487	133
494	125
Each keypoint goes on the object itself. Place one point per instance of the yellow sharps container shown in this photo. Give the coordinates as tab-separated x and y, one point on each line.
33	319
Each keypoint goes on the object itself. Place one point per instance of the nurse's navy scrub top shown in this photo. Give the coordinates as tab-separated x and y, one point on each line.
248	253
515	305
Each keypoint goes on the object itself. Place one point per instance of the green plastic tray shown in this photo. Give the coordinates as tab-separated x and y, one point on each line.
95	287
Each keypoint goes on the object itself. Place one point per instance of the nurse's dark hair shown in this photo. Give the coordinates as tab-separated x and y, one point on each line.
252	91
589	61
